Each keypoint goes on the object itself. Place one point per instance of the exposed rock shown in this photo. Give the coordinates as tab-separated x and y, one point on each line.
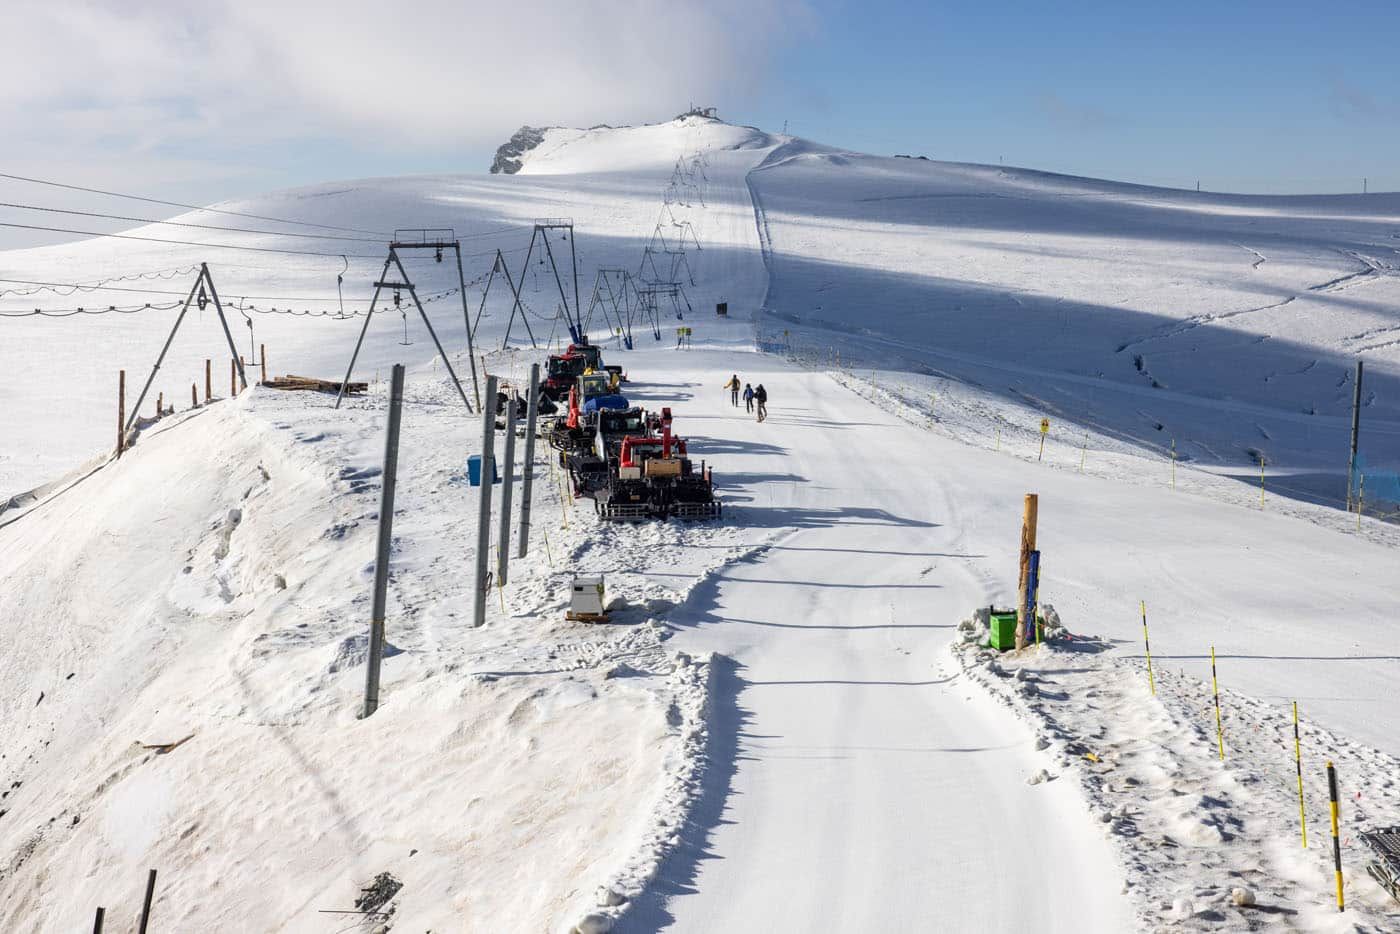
509	157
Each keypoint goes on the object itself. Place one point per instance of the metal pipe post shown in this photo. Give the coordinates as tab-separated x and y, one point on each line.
466	321
146	906
569	315
527	467
515	290
483	517
386	535
161	358
507	479
218	307
573	259
1355	433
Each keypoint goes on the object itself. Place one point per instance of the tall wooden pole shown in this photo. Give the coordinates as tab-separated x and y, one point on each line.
262	352
232	378
121	412
208	380
1029	512
194	395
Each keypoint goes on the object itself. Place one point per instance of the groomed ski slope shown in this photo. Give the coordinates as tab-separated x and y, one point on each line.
872	787
871	791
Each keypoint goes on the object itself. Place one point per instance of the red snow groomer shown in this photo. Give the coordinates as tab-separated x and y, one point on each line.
561	373
593	355
654	479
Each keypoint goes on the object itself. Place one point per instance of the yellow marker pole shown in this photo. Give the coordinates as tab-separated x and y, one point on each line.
564	497
1173	463
500	588
1336	838
1298	759
1147	647
1041	455
1215	689
548	556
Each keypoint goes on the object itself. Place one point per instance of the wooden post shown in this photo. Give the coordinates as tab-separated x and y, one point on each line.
1029	512
194	395
208	380
121	412
160	405
232	378
262	350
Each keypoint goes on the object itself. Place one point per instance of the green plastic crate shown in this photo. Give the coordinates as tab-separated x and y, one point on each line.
1003	631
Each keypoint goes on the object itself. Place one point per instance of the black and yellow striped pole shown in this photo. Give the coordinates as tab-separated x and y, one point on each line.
1336	839
1215	689
1298	760
1147	647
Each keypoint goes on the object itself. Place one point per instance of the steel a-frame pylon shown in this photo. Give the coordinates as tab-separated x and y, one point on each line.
201	293
573	315
499	266
403	283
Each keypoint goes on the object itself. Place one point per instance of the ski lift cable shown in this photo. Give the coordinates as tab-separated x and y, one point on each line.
151	220
190	243
192	207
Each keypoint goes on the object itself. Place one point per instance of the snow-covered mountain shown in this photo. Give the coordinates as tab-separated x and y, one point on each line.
773	734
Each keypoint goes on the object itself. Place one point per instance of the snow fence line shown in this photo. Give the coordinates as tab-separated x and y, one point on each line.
1185	476
689	685
1205	844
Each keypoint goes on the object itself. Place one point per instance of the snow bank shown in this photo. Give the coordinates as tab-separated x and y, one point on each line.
1207	845
212	586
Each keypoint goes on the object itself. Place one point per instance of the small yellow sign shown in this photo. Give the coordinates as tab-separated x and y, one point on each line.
1045	426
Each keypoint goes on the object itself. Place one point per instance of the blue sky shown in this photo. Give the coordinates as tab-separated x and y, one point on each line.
1247	96
228	98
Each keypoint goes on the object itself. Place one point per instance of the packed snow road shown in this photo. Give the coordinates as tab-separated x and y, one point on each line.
855	785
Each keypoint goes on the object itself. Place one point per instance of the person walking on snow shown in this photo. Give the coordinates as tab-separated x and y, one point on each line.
760	395
748	398
733	387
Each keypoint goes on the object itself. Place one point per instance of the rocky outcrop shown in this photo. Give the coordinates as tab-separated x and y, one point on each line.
510	156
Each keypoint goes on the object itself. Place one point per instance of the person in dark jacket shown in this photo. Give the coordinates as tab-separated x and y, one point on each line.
733	387
760	395
748	398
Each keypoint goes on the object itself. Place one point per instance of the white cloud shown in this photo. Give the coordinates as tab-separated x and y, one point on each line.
157	74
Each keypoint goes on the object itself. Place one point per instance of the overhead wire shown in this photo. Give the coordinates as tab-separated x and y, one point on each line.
192	207
195	243
222	246
151	220
242	303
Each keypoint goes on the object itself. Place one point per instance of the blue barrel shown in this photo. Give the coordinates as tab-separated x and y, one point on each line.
474	470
